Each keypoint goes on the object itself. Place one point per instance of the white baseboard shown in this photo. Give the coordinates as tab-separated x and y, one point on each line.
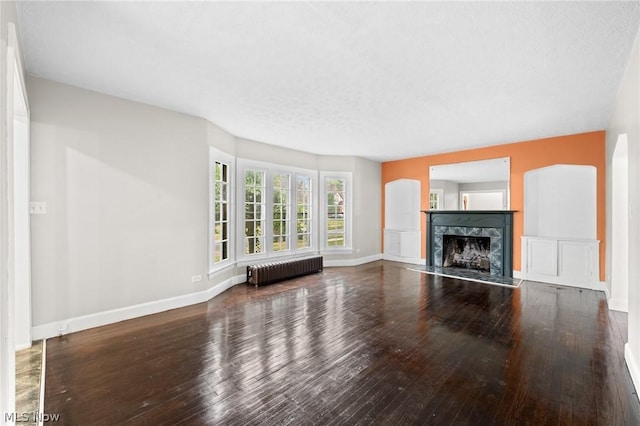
618	305
634	368
352	262
606	292
98	319
413	261
24	345
564	281
518	274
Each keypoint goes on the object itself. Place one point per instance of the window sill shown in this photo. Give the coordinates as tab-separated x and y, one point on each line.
346	250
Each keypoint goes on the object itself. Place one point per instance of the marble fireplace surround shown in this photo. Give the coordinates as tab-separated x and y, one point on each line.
495	224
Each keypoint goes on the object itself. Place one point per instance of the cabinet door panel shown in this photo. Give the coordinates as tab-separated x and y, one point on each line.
574	259
543	257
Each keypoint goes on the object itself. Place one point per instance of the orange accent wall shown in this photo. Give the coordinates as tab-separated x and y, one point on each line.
580	149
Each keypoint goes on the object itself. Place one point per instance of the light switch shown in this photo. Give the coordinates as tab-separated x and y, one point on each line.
38	207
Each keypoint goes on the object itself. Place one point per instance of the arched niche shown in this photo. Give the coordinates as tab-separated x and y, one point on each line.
402	205
402	220
559	245
560	202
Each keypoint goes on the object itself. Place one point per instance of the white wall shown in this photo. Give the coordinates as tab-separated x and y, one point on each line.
252	150
619	282
7	301
402	205
560	202
626	119
126	187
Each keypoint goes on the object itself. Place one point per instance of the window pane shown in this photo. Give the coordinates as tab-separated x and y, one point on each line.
221	211
223	195
217	232
253	211
281	189
303	209
335	206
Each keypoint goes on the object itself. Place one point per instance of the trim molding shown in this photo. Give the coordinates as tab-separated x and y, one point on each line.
21	346
414	260
596	286
549	279
616	304
606	292
83	322
43	376
352	262
634	369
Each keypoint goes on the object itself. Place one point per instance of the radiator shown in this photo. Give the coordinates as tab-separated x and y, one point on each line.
270	272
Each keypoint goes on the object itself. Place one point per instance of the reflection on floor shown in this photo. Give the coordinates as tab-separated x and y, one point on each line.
28	372
469	275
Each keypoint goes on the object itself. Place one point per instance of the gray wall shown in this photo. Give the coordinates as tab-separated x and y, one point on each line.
367	188
126	187
626	119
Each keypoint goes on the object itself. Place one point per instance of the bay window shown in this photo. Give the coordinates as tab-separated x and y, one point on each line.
277	204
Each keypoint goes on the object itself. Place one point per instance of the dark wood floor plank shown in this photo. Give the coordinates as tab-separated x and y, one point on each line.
373	344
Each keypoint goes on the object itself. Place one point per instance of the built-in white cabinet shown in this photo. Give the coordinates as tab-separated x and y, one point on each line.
402	221
402	244
561	261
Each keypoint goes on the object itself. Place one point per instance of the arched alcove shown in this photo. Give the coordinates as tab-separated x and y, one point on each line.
560	202
559	243
402	220
620	226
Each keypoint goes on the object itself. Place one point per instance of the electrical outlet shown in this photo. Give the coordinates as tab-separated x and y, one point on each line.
38	207
196	278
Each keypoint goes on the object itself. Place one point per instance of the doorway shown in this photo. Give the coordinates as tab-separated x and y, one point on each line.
15	297
620	226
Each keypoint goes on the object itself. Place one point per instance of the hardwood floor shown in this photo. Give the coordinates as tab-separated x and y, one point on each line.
374	344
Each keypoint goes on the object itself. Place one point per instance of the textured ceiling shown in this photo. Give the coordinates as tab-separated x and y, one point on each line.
381	80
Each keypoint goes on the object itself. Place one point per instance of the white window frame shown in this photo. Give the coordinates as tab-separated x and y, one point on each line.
222	157
313	234
270	207
266	196
439	201
270	170
348	211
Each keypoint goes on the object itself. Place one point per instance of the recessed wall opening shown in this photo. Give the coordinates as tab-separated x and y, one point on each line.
467	252
620	226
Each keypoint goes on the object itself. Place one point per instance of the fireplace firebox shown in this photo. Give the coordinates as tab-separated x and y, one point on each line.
466	252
